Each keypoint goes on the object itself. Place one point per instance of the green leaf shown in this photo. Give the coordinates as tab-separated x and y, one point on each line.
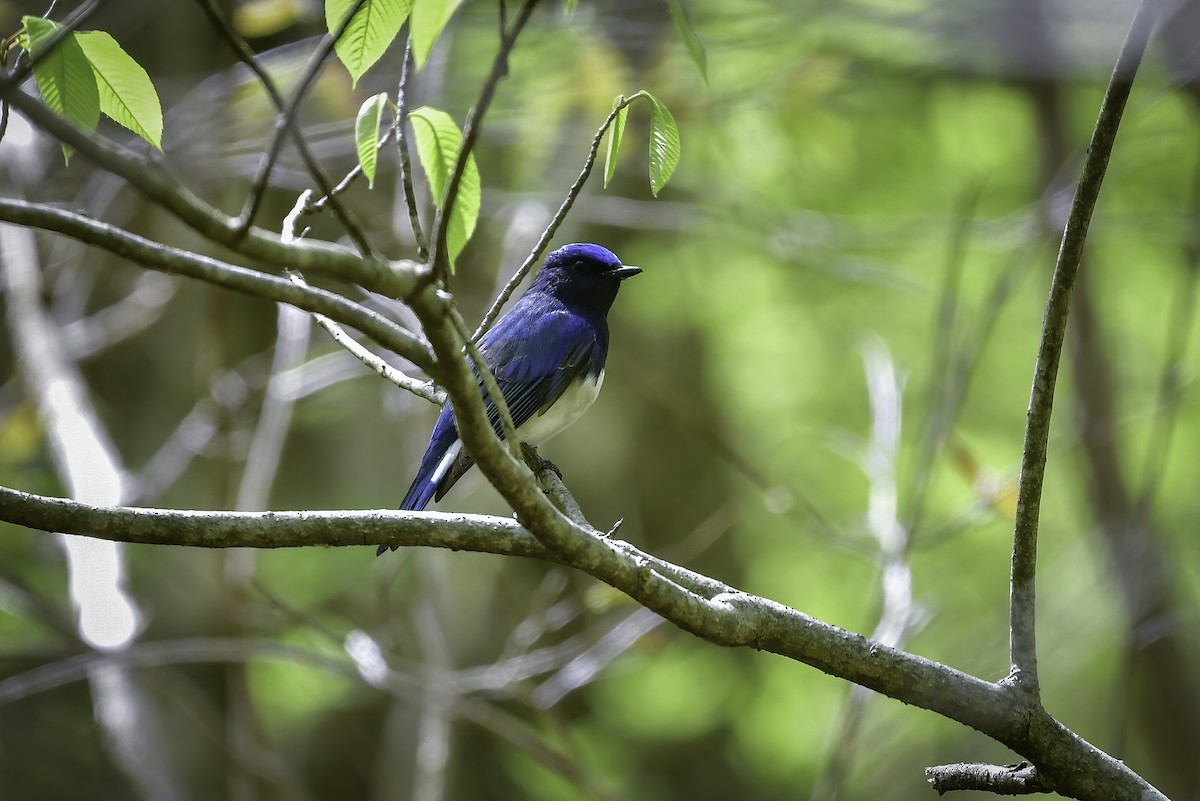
438	141
429	18
373	27
614	140
126	93
64	76
695	48
366	134
664	145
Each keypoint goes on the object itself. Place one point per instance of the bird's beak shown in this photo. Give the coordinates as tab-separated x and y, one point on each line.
621	273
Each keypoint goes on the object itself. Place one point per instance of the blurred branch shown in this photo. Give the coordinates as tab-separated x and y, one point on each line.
1022	639
132	314
896	611
439	258
240	279
1019	779
107	617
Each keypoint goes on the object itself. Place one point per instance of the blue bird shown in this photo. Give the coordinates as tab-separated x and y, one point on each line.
547	354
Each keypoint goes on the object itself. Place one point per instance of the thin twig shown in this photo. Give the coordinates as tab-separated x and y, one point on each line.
235	41
559	216
401	137
1022	639
439	260
240	279
422	389
66	29
286	120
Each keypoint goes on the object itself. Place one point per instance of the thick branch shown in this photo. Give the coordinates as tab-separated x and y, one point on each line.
240	279
1019	779
1022	640
728	618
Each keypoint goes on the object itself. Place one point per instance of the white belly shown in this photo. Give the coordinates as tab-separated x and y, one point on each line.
573	403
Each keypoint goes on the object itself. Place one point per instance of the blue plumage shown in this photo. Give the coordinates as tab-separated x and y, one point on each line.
547	354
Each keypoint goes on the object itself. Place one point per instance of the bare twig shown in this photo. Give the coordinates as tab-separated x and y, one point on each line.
439	260
226	31
285	121
494	311
400	134
422	389
1022	639
240	279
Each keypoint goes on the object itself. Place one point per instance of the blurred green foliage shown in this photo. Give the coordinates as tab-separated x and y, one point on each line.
830	165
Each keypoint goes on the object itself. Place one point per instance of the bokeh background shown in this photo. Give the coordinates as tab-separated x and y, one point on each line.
816	392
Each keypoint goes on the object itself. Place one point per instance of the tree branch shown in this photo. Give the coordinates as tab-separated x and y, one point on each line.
392	278
728	617
439	260
1019	779
240	279
1022	639
236	43
548	234
401	136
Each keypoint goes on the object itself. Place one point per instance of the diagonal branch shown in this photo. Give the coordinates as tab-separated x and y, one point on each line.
286	119
1022	639
393	278
559	216
226	31
240	279
439	259
710	609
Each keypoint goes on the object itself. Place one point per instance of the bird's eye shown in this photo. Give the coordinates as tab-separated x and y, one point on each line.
579	267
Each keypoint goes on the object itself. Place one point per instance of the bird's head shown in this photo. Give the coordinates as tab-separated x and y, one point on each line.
585	275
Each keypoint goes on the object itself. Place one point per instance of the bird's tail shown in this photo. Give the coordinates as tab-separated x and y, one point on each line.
444	446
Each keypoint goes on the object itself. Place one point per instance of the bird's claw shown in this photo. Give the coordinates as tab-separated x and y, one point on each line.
536	463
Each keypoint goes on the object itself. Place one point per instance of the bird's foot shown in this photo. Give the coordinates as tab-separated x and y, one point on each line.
536	463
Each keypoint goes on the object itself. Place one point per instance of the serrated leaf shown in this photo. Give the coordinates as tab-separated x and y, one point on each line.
366	134
438	141
664	145
614	140
429	18
695	48
64	76
127	94
366	37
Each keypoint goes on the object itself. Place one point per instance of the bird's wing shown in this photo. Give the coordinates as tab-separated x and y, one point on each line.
535	359
535	354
